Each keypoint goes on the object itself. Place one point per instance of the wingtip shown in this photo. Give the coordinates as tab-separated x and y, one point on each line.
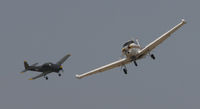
183	20
78	76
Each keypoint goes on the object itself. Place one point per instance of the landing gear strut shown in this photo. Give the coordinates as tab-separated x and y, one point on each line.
125	71
153	57
134	60
135	63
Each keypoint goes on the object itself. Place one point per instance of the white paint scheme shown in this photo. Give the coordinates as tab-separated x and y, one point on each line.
133	52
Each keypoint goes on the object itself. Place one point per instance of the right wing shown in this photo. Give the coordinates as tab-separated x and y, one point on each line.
104	68
160	39
61	61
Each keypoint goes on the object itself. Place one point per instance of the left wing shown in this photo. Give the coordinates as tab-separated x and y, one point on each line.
106	67
40	75
159	40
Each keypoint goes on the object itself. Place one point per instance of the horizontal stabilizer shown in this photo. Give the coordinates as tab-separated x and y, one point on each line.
23	71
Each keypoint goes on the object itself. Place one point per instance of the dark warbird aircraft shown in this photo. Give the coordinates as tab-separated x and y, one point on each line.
46	68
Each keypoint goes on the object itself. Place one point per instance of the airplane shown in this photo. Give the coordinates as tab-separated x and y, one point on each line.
46	68
133	52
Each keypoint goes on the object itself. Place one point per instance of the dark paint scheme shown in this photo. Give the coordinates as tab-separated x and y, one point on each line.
47	67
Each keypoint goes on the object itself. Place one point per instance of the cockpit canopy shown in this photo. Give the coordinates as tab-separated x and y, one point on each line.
48	64
128	43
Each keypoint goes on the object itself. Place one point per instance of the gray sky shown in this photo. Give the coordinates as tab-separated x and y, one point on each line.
93	31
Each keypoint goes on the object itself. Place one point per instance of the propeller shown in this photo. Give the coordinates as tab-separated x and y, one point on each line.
61	68
137	41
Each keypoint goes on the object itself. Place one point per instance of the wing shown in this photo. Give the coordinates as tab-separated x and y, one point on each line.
38	76
159	40
106	67
63	59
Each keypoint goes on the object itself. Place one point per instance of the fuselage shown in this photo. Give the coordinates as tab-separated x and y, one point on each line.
47	67
130	49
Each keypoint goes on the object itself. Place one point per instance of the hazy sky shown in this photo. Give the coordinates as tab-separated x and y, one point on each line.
93	31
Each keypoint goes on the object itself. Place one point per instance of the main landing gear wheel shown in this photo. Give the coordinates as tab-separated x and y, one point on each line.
125	71
153	57
46	77
59	74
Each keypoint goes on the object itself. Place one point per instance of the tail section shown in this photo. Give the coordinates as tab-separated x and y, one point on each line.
26	65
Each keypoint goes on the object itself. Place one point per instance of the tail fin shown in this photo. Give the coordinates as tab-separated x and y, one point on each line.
26	64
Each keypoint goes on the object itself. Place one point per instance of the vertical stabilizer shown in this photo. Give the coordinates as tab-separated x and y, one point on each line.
26	64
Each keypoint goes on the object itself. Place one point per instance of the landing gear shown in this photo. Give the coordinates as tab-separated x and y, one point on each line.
59	74
153	57
135	63
125	71
134	60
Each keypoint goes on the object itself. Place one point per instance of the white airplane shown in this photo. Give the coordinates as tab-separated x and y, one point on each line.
133	52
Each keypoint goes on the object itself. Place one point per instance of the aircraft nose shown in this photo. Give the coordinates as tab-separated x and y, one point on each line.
61	68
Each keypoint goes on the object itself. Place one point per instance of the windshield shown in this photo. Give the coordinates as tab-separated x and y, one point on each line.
128	43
